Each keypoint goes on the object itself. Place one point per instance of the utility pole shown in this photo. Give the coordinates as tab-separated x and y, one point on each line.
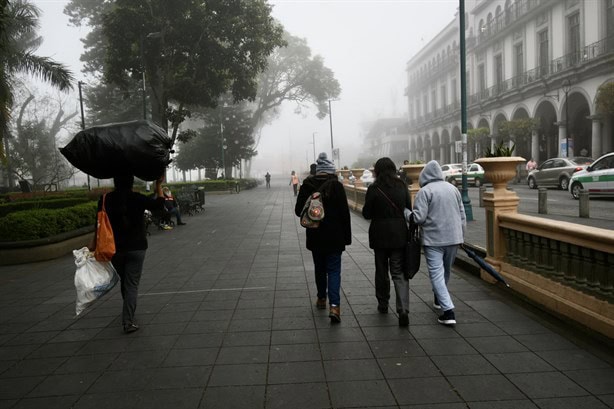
89	186
463	73
313	140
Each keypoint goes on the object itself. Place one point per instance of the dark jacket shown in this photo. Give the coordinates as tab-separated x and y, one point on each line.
388	229
334	232
128	219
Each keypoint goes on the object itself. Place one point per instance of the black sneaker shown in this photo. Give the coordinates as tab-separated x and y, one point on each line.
383	309
130	327
436	303
447	318
403	319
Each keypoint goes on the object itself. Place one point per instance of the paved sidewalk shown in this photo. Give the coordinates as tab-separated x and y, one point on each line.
227	321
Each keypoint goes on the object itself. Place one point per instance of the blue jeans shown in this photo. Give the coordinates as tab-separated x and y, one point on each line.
328	275
129	266
439	262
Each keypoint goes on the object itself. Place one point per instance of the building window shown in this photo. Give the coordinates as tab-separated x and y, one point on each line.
610	24
425	107
444	96
433	101
544	60
481	78
519	59
573	38
455	91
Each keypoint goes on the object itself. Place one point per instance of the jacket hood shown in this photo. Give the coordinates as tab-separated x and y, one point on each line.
430	173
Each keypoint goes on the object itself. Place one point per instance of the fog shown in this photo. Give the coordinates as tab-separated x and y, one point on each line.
365	43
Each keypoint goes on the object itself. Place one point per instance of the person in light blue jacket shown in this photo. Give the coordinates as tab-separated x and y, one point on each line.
438	208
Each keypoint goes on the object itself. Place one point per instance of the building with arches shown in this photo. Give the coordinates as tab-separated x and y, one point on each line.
525	59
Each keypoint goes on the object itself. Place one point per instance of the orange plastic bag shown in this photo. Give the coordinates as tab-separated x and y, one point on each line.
105	241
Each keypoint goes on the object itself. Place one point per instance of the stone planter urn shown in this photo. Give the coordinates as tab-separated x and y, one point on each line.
357	174
346	174
500	171
413	173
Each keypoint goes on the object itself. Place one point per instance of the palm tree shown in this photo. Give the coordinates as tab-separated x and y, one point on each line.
18	42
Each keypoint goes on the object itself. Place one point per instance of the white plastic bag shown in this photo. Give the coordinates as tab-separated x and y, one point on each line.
93	279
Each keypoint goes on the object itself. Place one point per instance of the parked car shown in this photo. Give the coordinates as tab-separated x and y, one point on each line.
556	172
597	178
367	178
475	176
451	169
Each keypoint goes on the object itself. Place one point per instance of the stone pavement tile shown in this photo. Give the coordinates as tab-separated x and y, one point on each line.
15	388
286	323
340	334
453	346
121	381
253	338
188	341
485	387
36	338
190	357
545	342
243	314
583	402
423	391
608	399
523	327
463	365
171	317
396	348
546	385
352	370
142	342
596	381
211	304
572	359
255	303
178	378
346	350
468	317
12	352
87	363
233	397
171	328
303	311
251	325
377	320
472	295
292	302
294	352
360	393
206	327
423	318
180	307
33	367
518	362
48	402
49	325
437	331
386	333
6	364
496	310
93	322
296	336
243	355
173	398
111	399
296	372
496	345
57	350
436	406
408	367
106	346
298	395
479	329
64	384
506	404
244	374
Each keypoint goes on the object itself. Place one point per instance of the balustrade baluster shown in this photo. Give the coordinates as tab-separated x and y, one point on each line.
576	265
588	261
566	262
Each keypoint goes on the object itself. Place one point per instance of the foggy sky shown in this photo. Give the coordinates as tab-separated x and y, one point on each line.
365	42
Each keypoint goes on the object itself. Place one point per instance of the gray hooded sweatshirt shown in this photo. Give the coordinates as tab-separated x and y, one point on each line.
438	207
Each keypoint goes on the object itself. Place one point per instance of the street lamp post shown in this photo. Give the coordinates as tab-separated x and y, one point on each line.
313	141
463	73
330	117
566	87
223	145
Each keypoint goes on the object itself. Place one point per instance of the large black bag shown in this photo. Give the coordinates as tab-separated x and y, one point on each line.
412	249
140	148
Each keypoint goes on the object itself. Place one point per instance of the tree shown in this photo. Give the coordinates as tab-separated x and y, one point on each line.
604	101
293	75
34	154
192	51
18	42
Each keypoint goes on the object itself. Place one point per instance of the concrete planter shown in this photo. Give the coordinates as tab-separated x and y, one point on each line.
500	171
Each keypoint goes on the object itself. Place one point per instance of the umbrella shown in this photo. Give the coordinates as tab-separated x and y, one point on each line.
484	265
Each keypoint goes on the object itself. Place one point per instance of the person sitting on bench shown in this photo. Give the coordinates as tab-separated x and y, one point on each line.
171	205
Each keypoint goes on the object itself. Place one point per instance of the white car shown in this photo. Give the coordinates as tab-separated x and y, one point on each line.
451	169
597	179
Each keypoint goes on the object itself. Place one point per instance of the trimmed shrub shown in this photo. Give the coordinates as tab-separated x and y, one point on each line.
41	223
54	203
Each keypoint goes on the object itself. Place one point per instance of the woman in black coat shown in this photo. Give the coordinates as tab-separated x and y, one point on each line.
385	202
329	239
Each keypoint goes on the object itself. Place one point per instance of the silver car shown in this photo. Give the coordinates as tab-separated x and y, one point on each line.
556	172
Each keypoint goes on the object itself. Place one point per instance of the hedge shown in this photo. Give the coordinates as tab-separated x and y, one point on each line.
53	203
41	223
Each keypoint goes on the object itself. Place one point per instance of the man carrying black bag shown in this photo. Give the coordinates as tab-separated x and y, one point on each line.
385	202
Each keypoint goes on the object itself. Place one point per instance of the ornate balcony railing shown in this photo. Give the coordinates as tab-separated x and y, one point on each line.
511	15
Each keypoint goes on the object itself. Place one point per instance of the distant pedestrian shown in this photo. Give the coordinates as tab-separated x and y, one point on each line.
438	207
531	165
401	173
327	241
267	177
294	181
312	169
385	202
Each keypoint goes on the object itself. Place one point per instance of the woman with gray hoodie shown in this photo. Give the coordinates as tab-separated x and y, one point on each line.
438	208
